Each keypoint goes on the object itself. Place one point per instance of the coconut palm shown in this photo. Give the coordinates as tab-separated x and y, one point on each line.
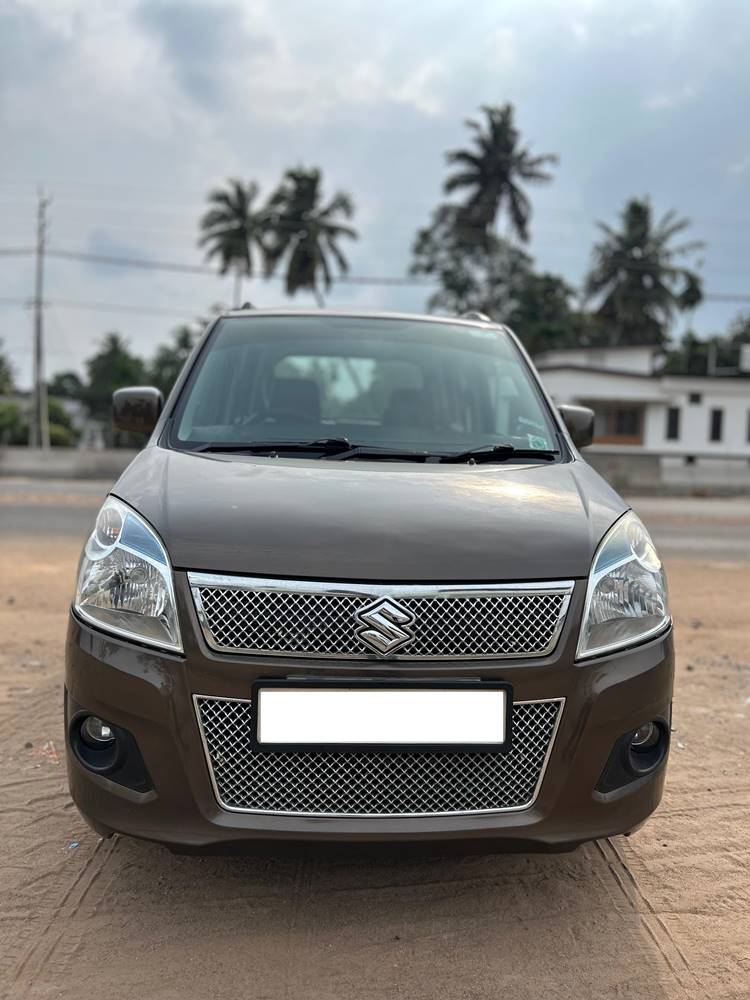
635	279
307	231
492	171
234	231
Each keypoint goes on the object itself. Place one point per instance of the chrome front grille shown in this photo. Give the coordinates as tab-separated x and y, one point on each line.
368	783
250	615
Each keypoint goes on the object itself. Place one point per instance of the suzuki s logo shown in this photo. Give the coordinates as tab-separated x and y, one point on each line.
385	625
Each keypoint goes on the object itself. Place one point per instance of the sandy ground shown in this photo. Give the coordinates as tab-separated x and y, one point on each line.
663	914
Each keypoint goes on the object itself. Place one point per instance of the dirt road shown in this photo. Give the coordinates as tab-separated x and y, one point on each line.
664	914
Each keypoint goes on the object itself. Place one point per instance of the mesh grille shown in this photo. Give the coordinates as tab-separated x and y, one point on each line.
502	624
363	783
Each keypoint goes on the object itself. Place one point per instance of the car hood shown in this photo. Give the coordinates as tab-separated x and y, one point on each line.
371	521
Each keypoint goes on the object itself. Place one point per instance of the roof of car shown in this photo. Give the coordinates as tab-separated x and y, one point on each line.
366	314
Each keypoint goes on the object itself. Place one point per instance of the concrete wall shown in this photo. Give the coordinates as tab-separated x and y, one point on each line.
64	463
629	470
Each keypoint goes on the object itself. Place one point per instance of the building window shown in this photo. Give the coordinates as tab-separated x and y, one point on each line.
617	423
695	398
715	427
673	423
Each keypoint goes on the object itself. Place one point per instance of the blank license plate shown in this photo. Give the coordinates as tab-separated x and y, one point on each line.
340	716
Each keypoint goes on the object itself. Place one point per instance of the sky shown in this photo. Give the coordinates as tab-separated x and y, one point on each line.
129	111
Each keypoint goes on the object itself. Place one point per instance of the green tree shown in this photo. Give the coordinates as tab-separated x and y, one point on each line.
111	367
169	359
739	329
14	424
544	317
700	355
6	373
307	231
66	385
61	431
485	277
234	231
496	278
493	170
635	280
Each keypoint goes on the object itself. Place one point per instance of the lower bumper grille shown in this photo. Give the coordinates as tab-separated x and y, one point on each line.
368	783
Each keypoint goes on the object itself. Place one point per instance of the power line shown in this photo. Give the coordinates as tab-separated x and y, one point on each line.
405	281
559	211
160	265
346	279
118	307
100	306
137	262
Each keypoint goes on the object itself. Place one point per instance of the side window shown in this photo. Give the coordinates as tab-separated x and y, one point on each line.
716	425
221	379
673	423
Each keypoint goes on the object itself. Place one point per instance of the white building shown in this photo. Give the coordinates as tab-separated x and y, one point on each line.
638	408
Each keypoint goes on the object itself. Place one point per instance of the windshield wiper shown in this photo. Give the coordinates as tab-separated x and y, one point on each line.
328	446
378	451
499	453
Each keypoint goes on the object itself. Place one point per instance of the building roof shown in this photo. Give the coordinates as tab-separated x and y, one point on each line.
603	347
661	375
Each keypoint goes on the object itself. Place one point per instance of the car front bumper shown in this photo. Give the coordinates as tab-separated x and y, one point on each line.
152	696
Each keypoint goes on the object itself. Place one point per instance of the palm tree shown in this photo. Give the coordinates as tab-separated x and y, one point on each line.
492	171
307	231
234	231
634	276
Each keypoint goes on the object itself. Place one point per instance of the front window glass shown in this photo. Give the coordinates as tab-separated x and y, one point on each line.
396	383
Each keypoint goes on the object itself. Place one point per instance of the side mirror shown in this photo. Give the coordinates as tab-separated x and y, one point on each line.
137	408
580	423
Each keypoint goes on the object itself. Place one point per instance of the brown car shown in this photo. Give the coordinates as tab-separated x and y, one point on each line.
360	586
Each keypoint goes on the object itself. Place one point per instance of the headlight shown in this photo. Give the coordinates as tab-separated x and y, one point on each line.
626	600
125	580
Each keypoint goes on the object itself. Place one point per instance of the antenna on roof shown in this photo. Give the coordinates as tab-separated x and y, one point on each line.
247	305
475	315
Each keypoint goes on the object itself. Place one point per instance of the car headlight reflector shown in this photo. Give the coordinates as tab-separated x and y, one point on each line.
626	599
125	579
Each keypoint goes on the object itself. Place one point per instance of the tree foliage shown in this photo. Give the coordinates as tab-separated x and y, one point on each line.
232	229
169	358
698	355
634	277
308	231
14	424
6	373
111	367
65	385
493	170
295	226
496	278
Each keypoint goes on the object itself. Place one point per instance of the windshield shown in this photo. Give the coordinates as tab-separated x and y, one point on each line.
400	383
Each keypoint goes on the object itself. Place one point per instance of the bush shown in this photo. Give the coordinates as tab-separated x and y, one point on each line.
14	428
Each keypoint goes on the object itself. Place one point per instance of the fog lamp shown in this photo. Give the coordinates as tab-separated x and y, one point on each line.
645	738
96	733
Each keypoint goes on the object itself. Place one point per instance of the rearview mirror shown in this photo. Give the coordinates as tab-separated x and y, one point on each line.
137	408
580	423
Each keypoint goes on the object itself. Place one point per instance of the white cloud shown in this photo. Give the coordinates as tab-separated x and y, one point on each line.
130	110
665	101
741	166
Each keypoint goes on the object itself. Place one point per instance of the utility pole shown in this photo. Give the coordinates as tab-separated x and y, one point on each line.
39	430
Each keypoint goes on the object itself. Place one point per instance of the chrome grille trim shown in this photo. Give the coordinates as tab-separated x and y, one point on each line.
242	615
535	724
